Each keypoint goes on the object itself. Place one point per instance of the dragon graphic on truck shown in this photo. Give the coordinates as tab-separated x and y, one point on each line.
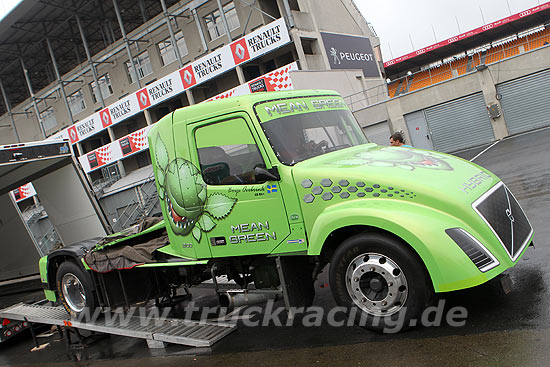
183	190
405	158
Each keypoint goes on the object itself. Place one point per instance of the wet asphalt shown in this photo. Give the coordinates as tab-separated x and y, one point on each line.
501	329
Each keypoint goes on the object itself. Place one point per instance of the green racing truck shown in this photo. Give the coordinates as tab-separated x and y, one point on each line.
270	188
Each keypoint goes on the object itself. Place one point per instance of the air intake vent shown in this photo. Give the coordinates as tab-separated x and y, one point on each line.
479	255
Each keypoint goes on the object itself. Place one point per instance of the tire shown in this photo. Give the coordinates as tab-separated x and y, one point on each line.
382	279
75	289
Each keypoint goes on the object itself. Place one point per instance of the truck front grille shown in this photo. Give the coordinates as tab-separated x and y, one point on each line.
502	213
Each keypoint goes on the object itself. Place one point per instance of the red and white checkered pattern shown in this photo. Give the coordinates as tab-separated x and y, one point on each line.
25	191
223	95
104	154
139	139
280	78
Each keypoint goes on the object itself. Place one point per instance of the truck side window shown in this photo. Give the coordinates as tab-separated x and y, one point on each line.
227	153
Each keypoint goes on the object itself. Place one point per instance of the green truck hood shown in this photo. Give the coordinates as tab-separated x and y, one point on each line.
424	177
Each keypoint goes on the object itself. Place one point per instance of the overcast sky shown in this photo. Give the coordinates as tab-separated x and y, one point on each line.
395	20
6	6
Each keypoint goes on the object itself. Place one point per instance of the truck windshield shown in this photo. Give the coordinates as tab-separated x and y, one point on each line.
302	136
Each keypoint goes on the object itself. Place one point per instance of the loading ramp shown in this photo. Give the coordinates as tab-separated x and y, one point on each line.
156	331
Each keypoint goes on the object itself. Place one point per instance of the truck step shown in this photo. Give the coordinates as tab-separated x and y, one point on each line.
167	330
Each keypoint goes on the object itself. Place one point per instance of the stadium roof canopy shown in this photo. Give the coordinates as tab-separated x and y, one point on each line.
23	34
491	32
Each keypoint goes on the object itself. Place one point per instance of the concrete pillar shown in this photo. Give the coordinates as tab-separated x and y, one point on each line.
148	117
299	49
489	90
79	148
240	74
396	120
190	97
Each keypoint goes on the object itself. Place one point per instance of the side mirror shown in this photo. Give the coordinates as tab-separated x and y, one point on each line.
263	174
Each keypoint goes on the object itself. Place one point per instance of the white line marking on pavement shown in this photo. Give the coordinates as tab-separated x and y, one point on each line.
484	150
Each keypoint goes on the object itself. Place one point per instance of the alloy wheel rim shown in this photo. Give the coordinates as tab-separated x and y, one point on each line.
73	292
376	284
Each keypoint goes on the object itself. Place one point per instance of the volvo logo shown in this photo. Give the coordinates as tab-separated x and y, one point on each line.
509	214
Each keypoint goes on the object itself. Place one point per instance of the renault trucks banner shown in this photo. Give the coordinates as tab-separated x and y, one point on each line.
278	79
350	52
249	47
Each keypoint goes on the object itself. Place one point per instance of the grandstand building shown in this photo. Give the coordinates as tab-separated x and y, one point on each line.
471	89
101	72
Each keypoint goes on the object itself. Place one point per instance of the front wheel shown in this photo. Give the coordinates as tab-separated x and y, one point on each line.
382	278
75	289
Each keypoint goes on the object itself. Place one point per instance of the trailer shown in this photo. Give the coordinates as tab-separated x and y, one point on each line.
76	215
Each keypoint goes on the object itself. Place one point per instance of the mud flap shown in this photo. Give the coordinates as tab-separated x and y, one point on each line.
296	276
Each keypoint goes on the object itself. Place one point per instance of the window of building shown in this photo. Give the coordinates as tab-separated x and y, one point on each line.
104	86
76	102
228	153
308	45
48	119
143	67
214	22
294	5
167	52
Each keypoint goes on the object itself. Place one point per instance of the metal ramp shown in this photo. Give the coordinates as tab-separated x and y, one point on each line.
154	330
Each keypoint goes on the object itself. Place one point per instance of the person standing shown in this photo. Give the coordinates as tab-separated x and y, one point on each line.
397	140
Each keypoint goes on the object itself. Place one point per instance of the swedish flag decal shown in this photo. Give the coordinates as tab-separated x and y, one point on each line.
271	188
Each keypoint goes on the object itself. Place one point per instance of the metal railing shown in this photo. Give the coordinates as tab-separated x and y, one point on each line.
47	242
140	207
99	184
33	213
366	97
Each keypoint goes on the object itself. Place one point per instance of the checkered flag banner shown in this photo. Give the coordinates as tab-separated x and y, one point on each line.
139	139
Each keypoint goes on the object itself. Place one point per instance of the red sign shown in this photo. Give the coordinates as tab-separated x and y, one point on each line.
240	51
471	33
72	134
143	98
105	117
188	77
